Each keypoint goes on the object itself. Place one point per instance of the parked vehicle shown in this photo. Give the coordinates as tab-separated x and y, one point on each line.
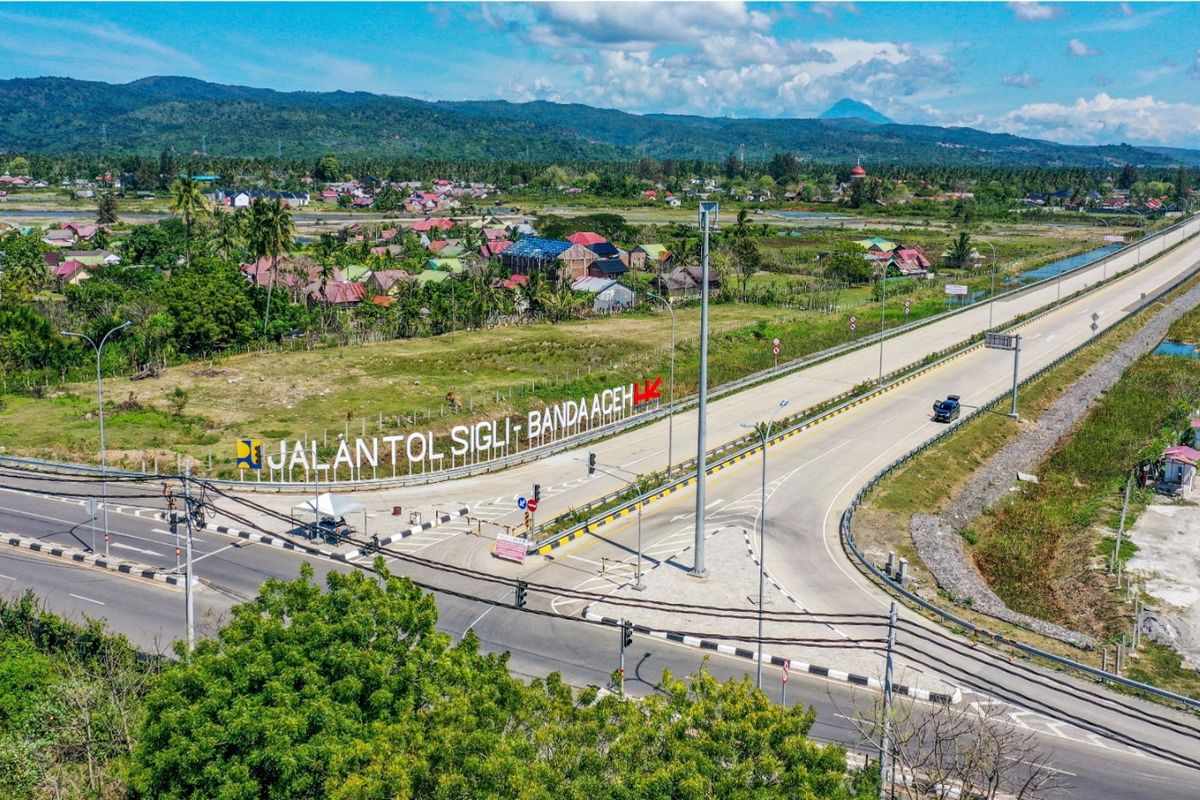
329	530
946	410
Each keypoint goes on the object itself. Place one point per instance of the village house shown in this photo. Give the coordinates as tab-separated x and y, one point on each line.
72	272
93	258
610	296
382	281
654	257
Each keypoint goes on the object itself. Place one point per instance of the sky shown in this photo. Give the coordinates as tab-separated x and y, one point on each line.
1081	73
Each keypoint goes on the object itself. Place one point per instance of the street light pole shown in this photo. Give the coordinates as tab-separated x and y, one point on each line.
708	213
671	411
1104	261
882	317
764	436
99	348
992	294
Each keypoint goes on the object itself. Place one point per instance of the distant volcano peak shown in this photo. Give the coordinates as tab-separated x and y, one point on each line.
847	108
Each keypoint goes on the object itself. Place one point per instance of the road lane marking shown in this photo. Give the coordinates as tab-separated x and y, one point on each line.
221	550
90	600
136	549
8	577
168	533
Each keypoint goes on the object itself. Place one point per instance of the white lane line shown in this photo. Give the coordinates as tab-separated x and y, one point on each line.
181	534
8	577
90	600
136	549
221	550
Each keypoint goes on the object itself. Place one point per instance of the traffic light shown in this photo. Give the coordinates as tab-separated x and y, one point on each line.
521	587
626	634
591	463
537	492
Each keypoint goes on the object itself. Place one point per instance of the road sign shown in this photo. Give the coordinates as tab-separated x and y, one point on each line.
92	505
508	547
775	341
1095	316
522	503
775	349
999	341
956	288
907	305
531	505
1095	327
528	520
853	322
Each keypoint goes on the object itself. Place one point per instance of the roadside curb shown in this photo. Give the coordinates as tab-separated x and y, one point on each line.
778	661
91	559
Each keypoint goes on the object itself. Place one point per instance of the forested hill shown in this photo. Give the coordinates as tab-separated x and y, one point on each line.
62	115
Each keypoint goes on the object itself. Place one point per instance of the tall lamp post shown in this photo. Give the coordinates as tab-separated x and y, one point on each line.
708	216
671	412
1104	261
1142	235
992	294
100	402
764	435
882	316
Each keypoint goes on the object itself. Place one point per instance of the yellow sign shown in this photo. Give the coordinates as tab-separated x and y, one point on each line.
249	454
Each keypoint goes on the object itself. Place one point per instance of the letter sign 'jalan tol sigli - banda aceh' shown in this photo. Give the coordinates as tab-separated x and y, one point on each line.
422	451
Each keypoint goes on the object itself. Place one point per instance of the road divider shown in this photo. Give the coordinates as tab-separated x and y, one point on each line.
779	661
92	559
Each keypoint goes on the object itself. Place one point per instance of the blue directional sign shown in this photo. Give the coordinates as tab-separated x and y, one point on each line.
521	503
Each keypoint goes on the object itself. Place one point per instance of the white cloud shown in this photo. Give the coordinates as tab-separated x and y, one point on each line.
103	43
1021	80
1105	119
1035	12
1126	19
829	10
628	26
1195	70
1080	49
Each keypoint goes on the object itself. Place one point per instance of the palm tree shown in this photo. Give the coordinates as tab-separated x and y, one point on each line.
227	234
188	201
960	250
271	234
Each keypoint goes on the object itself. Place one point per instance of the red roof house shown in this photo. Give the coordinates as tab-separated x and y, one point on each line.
586	238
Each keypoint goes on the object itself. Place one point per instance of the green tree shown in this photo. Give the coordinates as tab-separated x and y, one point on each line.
327	168
23	269
106	213
959	254
18	166
189	202
847	262
272	233
226	234
210	305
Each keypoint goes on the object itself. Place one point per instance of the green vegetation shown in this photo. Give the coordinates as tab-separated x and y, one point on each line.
352	693
60	115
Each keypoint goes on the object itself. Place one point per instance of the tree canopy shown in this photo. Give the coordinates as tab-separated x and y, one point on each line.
353	693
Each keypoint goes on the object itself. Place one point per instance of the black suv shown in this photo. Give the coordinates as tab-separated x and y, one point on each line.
946	410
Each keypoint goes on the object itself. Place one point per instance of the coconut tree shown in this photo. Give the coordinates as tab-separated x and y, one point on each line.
188	201
271	234
959	253
227	234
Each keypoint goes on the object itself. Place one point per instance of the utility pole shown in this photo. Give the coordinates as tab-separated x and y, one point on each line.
1016	366
882	318
885	744
189	613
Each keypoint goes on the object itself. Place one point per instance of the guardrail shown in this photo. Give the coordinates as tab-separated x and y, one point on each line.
847	532
744	446
754	379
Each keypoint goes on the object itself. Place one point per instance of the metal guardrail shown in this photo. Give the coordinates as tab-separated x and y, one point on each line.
847	530
536	453
746	445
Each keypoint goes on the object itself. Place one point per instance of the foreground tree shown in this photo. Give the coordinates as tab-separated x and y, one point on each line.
352	693
271	234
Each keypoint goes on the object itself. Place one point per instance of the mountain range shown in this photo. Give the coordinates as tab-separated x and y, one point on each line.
65	115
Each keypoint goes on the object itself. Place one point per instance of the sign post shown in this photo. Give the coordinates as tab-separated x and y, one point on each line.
1095	326
1005	341
907	307
775	351
853	323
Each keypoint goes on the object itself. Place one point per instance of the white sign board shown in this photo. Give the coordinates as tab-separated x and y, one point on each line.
511	548
956	288
1114	237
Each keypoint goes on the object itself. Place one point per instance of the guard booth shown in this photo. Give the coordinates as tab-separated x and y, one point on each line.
325	517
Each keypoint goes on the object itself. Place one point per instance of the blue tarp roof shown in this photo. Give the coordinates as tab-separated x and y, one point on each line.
536	247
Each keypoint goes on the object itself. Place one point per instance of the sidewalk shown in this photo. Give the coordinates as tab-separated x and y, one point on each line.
832	651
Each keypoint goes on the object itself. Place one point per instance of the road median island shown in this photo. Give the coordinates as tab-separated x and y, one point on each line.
92	559
1038	550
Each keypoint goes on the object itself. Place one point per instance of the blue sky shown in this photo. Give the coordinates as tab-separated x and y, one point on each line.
1073	72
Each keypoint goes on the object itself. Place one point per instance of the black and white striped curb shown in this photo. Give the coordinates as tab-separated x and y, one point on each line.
93	559
778	661
287	544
